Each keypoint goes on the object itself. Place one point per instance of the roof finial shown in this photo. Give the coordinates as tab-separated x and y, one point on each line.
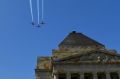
74	32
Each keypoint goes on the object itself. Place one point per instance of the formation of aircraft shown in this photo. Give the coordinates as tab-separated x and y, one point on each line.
38	24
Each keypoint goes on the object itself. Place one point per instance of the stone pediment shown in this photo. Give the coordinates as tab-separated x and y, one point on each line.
75	39
91	56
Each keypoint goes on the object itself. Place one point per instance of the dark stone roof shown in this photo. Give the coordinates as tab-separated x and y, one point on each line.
79	39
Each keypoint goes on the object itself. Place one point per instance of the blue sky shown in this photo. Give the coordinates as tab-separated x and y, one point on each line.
20	43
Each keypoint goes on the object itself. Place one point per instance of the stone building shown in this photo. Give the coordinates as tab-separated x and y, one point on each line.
79	57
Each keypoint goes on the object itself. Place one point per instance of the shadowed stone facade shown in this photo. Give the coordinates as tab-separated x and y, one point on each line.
79	57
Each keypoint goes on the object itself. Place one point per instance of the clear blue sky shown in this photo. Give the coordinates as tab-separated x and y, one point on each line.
20	43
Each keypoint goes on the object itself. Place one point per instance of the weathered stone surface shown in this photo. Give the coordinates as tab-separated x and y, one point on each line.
74	40
79	54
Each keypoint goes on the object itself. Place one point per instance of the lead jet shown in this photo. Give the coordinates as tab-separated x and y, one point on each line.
38	25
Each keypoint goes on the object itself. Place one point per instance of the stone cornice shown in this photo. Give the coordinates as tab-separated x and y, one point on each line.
86	62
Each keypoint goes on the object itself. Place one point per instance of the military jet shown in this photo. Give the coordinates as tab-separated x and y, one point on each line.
38	25
42	23
33	23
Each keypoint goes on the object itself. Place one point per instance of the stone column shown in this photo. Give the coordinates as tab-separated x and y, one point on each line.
95	75
108	75
68	75
81	75
119	74
56	76
37	77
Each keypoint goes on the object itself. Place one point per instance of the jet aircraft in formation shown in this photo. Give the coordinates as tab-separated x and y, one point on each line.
38	24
